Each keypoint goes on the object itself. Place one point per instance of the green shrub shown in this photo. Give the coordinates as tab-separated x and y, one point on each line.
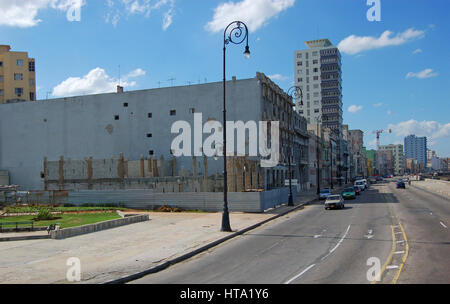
44	214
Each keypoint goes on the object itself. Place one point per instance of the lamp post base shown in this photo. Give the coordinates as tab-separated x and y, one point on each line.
226	227
290	201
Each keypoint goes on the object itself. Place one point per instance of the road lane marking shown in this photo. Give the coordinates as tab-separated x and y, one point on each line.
394	281
392	267
398	242
399	252
388	261
300	274
443	225
338	244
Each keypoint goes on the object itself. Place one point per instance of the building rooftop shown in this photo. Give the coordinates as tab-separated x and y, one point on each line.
318	43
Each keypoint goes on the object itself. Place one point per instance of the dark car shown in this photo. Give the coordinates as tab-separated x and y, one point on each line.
357	190
401	185
379	179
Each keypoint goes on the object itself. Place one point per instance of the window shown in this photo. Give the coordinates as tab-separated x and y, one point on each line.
300	63
316	77
1	78
116	117
316	70
151	152
192	110
149	135
315	61
125	104
299	55
1	63
1	92
19	62
150	115
300	79
19	91
31	82
316	94
316	110
316	86
173	112
18	76
314	53
31	67
32	96
299	72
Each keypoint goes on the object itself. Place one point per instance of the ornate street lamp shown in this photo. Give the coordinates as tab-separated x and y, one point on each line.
298	95
236	33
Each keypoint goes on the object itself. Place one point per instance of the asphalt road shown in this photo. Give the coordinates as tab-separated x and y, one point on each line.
401	233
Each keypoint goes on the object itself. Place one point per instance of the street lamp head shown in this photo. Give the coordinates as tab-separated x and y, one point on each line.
247	52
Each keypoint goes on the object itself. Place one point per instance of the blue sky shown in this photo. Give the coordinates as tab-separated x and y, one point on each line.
397	80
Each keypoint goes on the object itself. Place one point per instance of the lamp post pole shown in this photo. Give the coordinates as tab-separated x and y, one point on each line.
236	32
298	95
319	119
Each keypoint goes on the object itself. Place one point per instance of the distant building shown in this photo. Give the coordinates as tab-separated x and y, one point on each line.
416	148
371	156
430	155
318	72
17	76
356	143
399	159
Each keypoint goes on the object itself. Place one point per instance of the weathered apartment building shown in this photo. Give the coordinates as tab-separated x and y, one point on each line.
123	140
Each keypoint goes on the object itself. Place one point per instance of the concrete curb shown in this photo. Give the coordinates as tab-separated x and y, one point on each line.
24	238
195	252
91	228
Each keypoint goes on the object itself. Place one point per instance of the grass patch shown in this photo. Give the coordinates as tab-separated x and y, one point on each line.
66	220
37	208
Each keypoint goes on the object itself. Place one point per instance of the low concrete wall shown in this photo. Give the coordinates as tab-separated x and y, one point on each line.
206	201
71	232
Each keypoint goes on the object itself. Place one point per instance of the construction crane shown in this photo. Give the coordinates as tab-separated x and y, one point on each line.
378	133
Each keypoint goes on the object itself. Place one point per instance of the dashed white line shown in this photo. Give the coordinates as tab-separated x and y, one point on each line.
300	274
399	252
338	244
443	225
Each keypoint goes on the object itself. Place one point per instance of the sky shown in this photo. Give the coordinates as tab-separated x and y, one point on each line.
395	68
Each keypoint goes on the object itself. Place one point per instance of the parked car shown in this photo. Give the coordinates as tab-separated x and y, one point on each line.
324	193
379	179
334	201
361	185
401	185
366	183
357	190
349	193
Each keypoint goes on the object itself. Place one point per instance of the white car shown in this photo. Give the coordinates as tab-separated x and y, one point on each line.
361	184
324	193
334	201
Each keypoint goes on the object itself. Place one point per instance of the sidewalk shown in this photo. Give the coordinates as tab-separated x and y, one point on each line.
121	252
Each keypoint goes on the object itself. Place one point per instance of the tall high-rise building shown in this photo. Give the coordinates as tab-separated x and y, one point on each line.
318	73
17	76
416	148
398	157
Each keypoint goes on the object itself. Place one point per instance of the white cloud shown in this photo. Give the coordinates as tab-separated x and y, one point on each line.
120	8
355	44
431	129
355	109
254	13
377	105
97	81
427	73
389	112
278	77
23	13
417	51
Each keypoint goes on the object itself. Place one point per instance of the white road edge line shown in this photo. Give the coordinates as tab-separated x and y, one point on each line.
300	274
443	225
